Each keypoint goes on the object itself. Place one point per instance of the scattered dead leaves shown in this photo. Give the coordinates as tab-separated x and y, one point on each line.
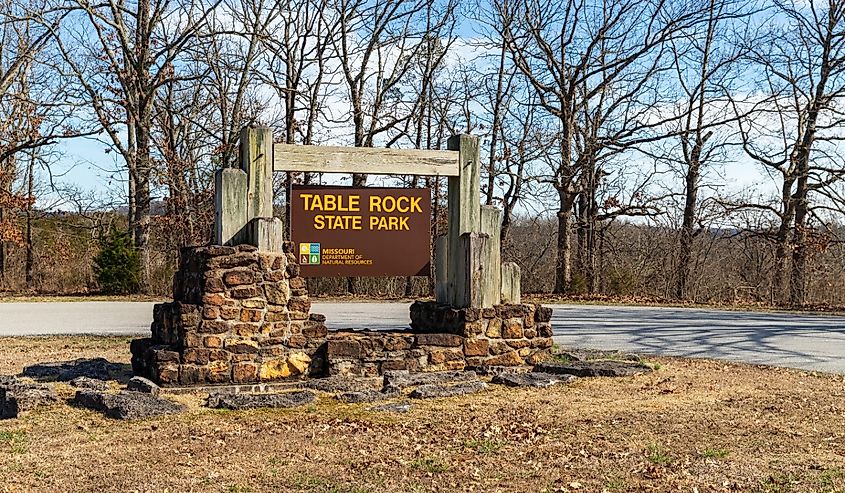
694	425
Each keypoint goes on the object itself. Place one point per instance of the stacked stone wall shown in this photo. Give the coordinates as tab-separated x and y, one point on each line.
241	316
445	338
238	316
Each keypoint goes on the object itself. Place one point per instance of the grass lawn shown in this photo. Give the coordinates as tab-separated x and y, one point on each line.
693	425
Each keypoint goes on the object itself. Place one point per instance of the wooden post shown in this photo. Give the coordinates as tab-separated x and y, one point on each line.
464	208
469	274
511	291
491	225
230	206
257	161
265	233
441	269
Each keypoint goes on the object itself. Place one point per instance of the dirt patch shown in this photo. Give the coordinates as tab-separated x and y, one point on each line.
706	425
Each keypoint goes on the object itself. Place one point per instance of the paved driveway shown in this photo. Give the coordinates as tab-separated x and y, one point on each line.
782	339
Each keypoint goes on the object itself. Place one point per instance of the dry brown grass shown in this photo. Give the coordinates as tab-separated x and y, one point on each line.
693	425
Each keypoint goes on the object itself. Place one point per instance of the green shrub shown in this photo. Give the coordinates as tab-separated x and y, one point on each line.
578	284
623	282
118	264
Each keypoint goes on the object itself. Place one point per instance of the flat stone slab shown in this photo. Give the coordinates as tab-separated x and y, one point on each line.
367	396
593	368
141	384
401	379
65	371
532	379
431	391
491	371
255	401
89	383
343	384
17	396
393	407
126	405
597	354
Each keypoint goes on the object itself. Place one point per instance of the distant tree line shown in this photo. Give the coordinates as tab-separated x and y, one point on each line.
611	130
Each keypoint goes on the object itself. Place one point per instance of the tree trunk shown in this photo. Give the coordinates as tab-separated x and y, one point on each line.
563	264
2	254
783	240
579	281
585	265
29	253
797	295
359	179
140	222
685	243
507	213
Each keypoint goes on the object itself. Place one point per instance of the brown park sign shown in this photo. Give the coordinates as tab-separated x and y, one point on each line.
343	231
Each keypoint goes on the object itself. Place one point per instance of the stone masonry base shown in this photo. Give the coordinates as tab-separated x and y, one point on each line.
240	316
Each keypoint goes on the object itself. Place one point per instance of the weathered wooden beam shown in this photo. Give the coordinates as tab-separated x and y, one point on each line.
491	225
230	206
257	162
369	160
511	291
265	233
441	266
464	204
469	274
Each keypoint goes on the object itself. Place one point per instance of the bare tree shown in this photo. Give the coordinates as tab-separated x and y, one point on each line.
794	131
376	46
589	61
706	72
121	54
35	111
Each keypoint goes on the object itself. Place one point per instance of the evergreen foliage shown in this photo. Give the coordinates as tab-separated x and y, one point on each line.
117	266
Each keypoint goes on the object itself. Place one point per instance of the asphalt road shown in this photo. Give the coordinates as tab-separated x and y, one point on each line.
782	339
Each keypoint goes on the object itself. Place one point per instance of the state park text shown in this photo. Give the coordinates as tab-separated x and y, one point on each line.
342	208
361	231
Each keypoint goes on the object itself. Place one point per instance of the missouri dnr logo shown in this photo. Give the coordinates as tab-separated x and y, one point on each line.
309	253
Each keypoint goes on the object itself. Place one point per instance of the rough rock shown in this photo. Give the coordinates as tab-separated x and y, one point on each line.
366	396
532	379
292	364
8	380
343	384
594	368
253	401
393	407
17	396
143	385
491	371
402	378
431	391
64	371
595	354
89	383
126	405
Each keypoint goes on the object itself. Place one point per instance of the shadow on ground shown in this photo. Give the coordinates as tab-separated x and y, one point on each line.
63	371
811	342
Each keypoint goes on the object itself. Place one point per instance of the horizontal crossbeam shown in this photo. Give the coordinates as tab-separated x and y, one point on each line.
367	160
